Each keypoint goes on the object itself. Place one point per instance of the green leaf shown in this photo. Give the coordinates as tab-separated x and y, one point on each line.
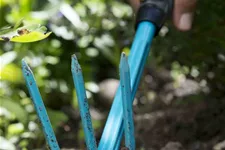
25	34
30	37
6	2
15	108
5	29
11	73
56	118
15	129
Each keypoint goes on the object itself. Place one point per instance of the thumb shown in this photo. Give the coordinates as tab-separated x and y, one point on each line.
135	4
183	14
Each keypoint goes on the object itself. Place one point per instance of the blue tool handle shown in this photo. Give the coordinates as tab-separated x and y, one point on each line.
113	130
154	11
151	16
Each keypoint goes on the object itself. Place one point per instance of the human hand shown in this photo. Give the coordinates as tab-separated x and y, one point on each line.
182	13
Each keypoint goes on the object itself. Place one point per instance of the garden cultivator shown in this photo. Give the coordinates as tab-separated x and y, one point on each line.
150	18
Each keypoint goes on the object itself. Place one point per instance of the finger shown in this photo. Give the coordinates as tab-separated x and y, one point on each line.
183	14
135	4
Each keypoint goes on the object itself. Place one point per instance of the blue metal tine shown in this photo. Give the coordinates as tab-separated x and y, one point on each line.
39	106
127	103
83	104
137	58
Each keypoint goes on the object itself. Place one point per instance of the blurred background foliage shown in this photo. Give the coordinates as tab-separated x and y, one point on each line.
97	31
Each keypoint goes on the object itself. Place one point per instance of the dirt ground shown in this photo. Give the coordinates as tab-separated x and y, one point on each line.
166	118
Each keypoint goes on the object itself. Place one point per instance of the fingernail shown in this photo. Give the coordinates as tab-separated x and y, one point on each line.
185	21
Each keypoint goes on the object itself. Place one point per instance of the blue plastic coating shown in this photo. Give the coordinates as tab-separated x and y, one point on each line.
39	107
137	58
83	104
127	103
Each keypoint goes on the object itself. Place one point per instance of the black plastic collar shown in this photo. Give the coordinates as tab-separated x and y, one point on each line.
155	11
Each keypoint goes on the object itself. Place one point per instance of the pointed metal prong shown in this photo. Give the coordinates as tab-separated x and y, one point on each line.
39	106
83	104
127	103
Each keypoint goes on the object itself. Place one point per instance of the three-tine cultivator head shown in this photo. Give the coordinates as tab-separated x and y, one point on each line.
83	105
150	18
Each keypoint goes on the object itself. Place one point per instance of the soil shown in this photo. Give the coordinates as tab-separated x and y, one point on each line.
163	119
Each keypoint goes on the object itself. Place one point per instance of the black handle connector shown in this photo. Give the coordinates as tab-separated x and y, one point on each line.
155	11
